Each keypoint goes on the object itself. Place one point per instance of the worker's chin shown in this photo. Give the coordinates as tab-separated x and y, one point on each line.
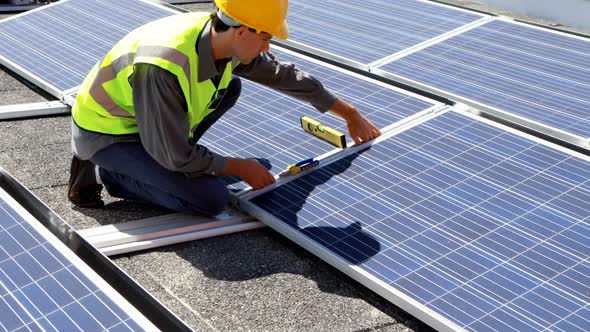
245	61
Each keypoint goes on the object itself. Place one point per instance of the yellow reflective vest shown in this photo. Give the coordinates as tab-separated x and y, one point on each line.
104	103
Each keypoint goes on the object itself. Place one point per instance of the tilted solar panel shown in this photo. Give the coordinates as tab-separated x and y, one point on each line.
460	222
367	31
44	286
57	45
540	77
266	123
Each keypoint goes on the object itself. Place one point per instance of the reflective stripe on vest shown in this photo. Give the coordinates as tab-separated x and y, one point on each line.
110	72
105	101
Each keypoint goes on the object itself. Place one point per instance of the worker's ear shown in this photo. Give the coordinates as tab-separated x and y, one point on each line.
240	32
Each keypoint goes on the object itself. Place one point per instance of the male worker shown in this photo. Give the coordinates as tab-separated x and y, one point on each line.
141	111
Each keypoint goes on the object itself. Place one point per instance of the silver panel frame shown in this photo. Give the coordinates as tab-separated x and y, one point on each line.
393	295
388	292
25	73
9	8
33	110
43	84
155	232
339	153
29	76
81	265
367	66
118	279
484	110
69	96
430	42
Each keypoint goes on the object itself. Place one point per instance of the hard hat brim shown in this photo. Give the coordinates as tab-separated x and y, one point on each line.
283	31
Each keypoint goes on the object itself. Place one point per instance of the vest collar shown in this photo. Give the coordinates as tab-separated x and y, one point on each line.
207	68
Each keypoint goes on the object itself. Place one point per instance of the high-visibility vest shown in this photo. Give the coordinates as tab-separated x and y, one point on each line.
104	103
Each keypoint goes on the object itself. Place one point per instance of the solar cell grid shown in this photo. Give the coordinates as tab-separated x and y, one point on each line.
43	287
366	31
536	74
483	226
265	123
58	44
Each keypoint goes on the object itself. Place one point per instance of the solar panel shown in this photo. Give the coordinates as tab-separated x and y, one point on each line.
510	68
266	123
44	286
366	31
57	45
460	222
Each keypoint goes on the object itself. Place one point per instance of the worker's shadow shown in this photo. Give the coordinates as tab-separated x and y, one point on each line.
339	232
246	256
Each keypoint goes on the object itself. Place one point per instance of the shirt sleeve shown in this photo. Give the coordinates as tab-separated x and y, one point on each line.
160	109
287	78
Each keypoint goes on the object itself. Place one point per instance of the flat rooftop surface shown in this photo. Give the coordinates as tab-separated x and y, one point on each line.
256	280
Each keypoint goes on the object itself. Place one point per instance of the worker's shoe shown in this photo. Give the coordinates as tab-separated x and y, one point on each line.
83	190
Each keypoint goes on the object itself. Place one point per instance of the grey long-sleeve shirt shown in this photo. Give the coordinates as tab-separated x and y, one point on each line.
160	109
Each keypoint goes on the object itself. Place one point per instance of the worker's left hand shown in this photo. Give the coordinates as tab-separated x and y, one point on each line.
361	130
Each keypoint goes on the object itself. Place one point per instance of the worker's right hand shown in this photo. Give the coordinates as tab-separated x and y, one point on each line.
250	170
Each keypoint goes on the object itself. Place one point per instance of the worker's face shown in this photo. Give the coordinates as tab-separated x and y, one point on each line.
249	44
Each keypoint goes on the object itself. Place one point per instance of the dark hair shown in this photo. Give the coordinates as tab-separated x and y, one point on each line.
219	26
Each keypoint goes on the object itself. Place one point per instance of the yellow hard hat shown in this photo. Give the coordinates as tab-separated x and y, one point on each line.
261	15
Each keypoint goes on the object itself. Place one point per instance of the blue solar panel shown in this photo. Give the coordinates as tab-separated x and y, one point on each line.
483	227
265	123
61	42
45	287
366	31
537	74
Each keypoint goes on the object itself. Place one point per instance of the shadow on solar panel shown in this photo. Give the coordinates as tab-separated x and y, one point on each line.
478	227
346	240
266	123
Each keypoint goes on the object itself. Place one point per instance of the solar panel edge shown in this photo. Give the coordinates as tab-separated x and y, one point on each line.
469	112
454	7
29	76
348	268
386	291
164	5
132	291
516	121
432	41
337	153
43	84
554	134
347	71
327	55
431	11
15	16
78	263
550	29
37	60
319	53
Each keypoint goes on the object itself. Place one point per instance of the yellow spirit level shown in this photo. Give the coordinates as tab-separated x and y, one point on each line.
326	133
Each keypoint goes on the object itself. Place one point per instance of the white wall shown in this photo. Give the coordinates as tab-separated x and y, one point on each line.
575	13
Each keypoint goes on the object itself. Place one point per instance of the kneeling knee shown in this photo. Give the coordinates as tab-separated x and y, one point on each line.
211	202
218	200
